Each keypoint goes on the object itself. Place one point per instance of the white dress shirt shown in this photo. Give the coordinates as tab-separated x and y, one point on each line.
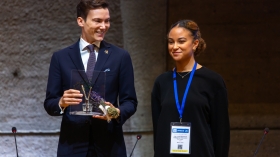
85	51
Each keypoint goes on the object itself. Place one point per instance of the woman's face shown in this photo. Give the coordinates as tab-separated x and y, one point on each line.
181	45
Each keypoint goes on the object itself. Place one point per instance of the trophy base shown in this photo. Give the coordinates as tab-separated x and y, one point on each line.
83	113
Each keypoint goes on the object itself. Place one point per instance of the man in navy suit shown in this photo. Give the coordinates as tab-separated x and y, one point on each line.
85	136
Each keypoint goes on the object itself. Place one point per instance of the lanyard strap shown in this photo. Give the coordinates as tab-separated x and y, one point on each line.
181	107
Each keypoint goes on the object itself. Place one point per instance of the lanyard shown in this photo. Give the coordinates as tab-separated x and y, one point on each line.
181	107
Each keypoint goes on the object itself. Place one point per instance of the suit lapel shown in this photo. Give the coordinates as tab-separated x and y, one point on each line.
75	55
103	54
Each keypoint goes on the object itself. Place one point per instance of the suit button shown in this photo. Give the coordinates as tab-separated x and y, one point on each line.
87	122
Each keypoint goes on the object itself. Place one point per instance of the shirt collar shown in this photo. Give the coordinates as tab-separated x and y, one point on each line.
84	44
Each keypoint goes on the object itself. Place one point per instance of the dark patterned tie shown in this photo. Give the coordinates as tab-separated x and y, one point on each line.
91	62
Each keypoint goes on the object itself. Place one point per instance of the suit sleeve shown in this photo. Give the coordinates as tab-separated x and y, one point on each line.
127	94
220	123
54	88
156	108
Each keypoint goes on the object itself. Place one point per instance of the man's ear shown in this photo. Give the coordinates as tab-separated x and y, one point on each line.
80	21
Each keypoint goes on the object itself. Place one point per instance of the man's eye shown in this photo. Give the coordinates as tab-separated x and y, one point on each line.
97	21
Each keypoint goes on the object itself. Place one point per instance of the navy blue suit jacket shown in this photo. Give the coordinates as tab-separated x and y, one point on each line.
76	131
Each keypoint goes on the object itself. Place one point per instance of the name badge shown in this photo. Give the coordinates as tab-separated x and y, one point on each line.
180	142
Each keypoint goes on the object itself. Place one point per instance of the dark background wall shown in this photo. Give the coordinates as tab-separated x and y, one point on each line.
242	40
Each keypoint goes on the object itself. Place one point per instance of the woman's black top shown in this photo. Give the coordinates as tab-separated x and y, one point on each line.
206	108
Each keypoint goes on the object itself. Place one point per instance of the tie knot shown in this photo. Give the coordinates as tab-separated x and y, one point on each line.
91	48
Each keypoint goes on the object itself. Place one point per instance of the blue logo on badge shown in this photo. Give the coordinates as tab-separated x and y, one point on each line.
178	130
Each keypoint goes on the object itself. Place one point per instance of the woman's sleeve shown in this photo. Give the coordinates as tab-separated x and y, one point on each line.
220	123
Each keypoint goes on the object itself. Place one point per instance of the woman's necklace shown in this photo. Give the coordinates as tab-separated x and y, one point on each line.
183	75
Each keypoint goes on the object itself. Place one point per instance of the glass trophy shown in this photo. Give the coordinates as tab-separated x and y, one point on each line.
91	89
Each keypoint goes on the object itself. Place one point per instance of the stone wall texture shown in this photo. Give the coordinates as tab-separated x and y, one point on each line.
241	36
31	31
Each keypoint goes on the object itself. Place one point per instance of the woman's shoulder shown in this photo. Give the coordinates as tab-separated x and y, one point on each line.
211	76
208	72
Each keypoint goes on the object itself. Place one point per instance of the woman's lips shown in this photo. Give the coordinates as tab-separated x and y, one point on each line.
176	53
